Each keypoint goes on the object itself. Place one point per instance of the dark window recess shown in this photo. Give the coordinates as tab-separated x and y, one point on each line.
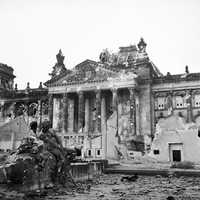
78	151
98	152
198	133
89	153
156	151
176	155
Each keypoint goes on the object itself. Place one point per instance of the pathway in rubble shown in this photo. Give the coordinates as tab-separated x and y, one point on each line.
110	187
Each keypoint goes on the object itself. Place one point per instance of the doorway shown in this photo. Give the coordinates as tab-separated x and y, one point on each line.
175	152
176	155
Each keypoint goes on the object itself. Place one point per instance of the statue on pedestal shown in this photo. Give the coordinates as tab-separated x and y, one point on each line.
59	67
142	54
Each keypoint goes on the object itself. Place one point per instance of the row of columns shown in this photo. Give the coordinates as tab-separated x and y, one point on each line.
100	112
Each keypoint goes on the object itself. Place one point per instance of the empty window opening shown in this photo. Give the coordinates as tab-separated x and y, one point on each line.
156	151
89	152
98	152
176	155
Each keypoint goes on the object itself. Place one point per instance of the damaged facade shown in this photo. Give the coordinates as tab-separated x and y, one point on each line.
119	106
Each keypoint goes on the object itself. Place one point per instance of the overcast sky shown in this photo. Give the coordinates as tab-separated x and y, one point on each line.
32	32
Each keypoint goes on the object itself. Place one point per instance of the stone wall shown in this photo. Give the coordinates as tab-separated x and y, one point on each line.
173	133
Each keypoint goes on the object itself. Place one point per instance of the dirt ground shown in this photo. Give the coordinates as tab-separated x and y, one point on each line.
110	187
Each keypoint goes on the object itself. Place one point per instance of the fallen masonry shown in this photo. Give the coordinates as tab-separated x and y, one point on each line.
41	163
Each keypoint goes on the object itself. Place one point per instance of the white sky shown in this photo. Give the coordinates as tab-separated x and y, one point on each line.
32	32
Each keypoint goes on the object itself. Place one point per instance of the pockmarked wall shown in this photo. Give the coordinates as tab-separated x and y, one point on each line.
173	133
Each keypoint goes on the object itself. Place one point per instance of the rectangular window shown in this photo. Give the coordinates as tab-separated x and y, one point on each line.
156	151
180	102
98	153
89	152
197	100
161	103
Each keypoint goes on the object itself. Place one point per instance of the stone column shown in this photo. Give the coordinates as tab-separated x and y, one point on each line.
188	99
50	108
1	111
13	140
71	115
26	113
114	99
132	112
65	112
40	112
115	107
103	126
98	112
87	115
103	114
80	111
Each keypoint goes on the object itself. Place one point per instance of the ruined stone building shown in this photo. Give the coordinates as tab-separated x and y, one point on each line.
18	108
120	106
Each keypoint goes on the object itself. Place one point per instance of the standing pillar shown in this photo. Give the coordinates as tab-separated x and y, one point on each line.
50	108
114	99
87	115
80	111
1	111
103	126
98	112
40	112
71	115
65	112
26	111
132	112
188	99
115	107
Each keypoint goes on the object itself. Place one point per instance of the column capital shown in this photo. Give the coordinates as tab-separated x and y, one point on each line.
80	92
114	90
65	94
132	90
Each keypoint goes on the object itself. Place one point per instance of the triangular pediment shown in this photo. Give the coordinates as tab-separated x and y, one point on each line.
87	71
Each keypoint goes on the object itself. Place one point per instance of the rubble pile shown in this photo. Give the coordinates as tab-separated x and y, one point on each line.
38	163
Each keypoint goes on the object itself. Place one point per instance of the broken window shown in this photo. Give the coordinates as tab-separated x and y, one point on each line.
89	152
160	103
180	102
156	151
198	133
197	100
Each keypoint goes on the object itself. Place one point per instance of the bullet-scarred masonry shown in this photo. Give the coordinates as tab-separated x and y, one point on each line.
119	106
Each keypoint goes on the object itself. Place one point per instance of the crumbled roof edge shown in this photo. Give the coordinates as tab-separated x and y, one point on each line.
68	72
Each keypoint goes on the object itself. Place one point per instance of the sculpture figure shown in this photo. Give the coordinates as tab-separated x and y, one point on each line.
142	46
60	58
